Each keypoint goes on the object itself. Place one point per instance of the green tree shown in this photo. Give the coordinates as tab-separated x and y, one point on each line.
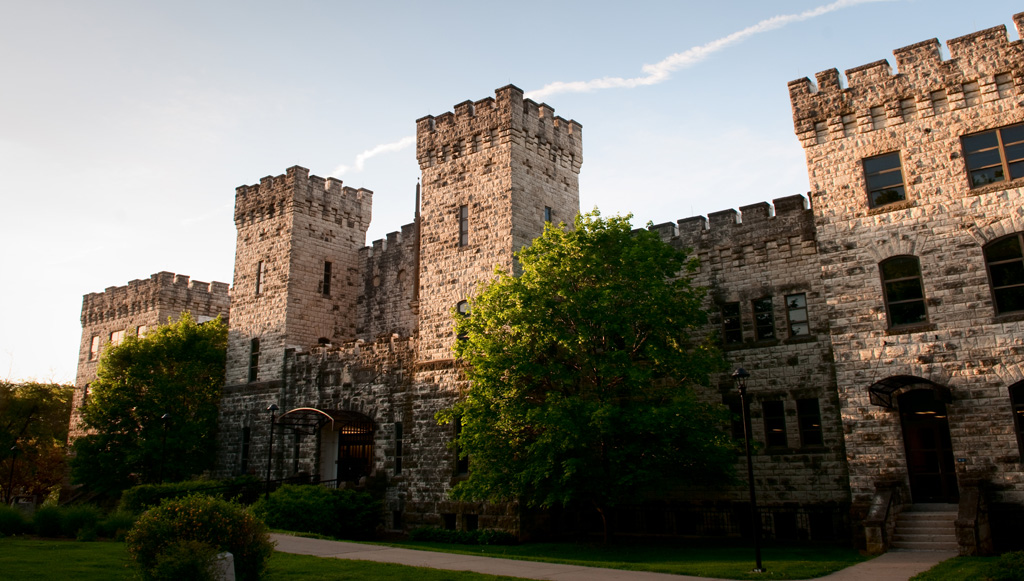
175	369
581	372
33	436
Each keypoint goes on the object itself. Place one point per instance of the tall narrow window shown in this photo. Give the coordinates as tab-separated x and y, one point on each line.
884	178
1005	261
904	291
461	462
547	213
254	360
94	348
327	279
116	337
808	414
398	448
774	423
796	313
732	329
764	319
141	330
1017	403
995	156
463	225
260	273
246	437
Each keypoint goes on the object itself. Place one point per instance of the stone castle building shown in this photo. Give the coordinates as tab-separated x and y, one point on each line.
881	317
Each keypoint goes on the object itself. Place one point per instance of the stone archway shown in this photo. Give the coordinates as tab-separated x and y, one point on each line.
931	469
346	440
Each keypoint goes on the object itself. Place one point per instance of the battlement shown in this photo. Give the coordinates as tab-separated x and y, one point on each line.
784	217
392	243
983	67
298	191
163	289
508	118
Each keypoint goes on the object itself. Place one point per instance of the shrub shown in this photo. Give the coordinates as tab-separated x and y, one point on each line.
47	521
116	525
1009	567
76	519
191	560
478	537
12	522
221	524
318	509
144	496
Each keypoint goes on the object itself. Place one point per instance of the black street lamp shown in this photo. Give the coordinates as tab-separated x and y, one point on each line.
163	445
740	377
272	408
10	477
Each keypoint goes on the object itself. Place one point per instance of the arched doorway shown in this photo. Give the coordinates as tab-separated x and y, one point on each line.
929	448
346	440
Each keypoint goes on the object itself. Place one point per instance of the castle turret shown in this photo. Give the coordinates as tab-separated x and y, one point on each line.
297	269
494	172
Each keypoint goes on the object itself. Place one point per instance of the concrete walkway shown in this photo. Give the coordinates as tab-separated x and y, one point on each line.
893	566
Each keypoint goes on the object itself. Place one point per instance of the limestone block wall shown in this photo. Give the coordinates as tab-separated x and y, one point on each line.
921	112
769	250
388	298
503	159
140	304
290	226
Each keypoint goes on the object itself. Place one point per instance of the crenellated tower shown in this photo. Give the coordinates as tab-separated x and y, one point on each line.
493	172
297	269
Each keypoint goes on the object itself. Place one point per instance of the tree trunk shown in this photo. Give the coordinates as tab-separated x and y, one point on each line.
604	521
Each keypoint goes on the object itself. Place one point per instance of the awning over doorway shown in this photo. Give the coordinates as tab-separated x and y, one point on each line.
309	420
883	392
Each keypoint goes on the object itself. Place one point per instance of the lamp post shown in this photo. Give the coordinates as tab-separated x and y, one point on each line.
10	477
740	377
163	445
272	408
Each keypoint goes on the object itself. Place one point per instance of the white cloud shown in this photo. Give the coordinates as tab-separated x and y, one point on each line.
360	161
662	71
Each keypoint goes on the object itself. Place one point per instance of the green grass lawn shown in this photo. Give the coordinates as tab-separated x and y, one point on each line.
31	560
720	558
958	568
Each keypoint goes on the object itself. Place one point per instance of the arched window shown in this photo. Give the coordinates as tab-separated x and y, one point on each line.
904	291
1005	262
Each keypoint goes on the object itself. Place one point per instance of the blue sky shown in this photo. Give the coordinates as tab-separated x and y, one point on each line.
125	126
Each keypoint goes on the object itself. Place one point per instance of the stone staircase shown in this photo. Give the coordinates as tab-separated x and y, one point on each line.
926	527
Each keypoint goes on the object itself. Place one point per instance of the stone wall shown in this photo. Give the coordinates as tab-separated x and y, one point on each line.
388	298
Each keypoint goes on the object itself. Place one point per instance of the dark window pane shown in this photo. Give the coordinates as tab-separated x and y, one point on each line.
1007	274
883	197
1010	299
984	158
796	301
1016	170
907	313
1006	249
798	315
980	141
903	290
986	176
885	180
902	267
774	414
809	418
1013	133
881	163
1014	152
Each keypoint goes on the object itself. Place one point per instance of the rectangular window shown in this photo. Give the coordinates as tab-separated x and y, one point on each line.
327	279
260	273
808	415
1004	84
796	314
940	104
732	329
877	117
254	360
141	330
849	124
904	291
398	448
1017	404
909	109
463	225
884	178
116	337
993	155
972	93
246	437
764	319
547	213
94	348
774	423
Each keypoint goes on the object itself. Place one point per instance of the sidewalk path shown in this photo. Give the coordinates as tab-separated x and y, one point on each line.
893	566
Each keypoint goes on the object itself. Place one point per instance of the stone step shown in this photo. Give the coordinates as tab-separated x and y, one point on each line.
925	546
938	537
926	527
